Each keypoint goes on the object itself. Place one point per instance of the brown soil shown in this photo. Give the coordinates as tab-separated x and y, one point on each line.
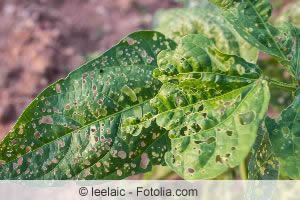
43	40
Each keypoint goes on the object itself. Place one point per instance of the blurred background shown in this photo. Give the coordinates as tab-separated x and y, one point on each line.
43	40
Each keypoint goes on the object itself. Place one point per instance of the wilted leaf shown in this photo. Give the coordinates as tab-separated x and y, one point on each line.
206	20
285	138
250	19
212	105
72	129
263	164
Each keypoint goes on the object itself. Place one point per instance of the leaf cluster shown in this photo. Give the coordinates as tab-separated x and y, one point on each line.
190	96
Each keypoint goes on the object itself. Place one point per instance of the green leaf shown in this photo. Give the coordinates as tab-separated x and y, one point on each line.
211	103
263	164
250	19
195	3
206	20
72	129
285	138
290	13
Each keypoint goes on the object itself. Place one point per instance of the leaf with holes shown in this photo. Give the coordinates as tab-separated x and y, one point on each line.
285	138
212	105
263	164
72	129
250	19
178	22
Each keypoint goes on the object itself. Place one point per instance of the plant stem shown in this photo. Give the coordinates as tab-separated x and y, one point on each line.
243	171
282	85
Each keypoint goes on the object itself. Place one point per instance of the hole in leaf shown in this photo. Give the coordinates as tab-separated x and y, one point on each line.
229	133
190	170
182	131
200	108
219	159
246	118
196	127
211	140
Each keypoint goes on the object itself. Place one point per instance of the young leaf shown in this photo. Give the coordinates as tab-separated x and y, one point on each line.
250	19
285	138
263	164
176	23
72	129
212	105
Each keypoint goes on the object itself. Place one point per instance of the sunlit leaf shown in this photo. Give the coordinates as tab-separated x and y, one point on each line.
72	129
212	105
195	3
250	19
263	164
206	20
285	138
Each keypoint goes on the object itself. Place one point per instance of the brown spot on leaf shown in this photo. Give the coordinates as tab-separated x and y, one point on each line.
46	120
122	154
144	161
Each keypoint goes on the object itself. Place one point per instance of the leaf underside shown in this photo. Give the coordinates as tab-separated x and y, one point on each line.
72	129
211	104
205	20
285	138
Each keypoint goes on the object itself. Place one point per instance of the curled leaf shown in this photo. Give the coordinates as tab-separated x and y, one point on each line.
205	20
212	105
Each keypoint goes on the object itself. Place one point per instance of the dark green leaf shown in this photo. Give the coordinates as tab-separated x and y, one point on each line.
211	103
72	129
285	138
263	164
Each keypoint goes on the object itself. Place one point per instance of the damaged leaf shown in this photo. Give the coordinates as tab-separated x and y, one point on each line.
209	105
263	164
285	138
205	20
250	19
72	129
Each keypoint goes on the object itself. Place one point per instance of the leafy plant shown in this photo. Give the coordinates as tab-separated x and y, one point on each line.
196	102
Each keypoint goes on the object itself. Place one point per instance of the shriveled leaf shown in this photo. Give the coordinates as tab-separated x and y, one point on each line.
212	105
263	164
250	19
285	138
206	20
72	129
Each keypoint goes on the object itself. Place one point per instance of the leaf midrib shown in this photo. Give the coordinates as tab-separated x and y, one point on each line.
267	29
79	129
247	96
